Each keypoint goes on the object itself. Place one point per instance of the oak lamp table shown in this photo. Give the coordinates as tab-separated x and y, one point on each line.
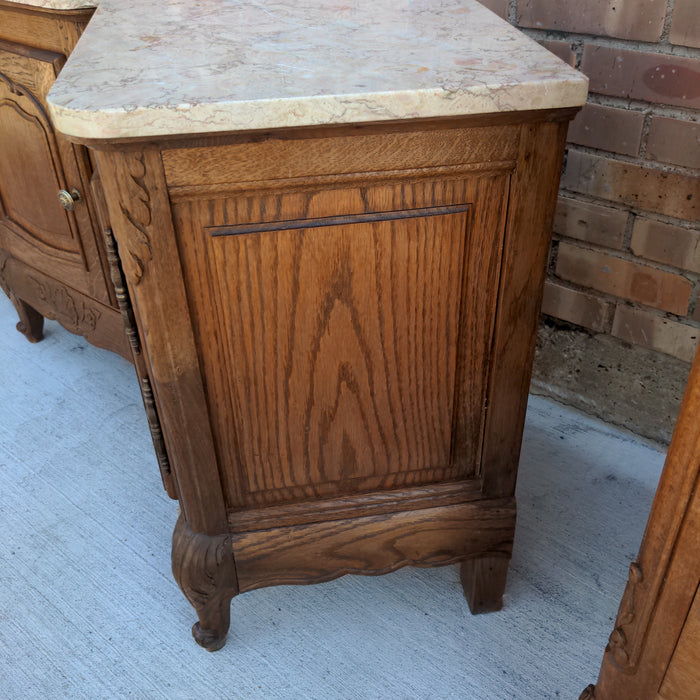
333	223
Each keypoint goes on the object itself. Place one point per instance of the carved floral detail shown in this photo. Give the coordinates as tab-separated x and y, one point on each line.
136	249
618	642
74	314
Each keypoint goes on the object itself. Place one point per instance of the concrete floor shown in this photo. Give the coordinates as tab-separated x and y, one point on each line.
89	608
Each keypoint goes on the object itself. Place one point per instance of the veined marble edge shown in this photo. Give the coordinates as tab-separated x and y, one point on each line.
169	120
57	4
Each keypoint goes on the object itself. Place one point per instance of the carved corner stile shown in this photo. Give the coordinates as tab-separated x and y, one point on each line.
136	207
149	402
623	655
204	568
140	212
120	291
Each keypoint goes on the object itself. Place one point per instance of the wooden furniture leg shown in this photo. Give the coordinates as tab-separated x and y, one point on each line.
31	322
204	569
484	580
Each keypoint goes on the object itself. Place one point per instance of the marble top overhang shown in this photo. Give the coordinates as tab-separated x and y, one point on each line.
58	4
166	67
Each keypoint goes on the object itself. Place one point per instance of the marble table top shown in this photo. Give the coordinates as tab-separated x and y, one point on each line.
167	67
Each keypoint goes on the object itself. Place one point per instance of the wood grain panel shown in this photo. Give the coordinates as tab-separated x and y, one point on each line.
357	505
480	282
390	295
343	342
373	545
275	158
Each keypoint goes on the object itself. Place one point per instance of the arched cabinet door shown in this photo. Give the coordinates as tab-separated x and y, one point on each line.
35	165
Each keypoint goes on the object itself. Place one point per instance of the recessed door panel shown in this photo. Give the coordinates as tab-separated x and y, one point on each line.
343	340
332	336
29	176
35	163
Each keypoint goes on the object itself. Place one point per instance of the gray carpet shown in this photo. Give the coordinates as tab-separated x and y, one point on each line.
89	608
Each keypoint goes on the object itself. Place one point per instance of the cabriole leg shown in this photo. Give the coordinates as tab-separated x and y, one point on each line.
31	322
484	580
204	569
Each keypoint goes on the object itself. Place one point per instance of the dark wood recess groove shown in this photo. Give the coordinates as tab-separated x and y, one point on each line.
337	220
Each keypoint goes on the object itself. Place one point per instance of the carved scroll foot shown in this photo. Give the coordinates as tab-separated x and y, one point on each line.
31	322
484	580
204	569
588	693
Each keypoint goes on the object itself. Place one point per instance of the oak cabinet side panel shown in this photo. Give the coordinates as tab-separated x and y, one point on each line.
335	339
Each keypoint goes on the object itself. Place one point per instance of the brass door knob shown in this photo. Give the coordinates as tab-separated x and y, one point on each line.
68	199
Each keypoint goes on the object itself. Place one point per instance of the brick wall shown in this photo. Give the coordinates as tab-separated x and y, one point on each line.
626	251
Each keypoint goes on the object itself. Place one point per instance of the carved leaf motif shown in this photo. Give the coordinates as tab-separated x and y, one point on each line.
204	569
618	641
70	312
136	208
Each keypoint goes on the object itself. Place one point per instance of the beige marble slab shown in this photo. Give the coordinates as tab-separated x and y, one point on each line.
203	66
58	4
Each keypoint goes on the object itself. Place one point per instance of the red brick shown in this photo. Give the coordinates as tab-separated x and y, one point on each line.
668	244
696	313
590	222
674	141
651	331
500	7
574	306
651	189
654	77
607	128
624	278
562	49
627	19
685	29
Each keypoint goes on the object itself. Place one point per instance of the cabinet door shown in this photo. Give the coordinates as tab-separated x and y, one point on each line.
35	163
